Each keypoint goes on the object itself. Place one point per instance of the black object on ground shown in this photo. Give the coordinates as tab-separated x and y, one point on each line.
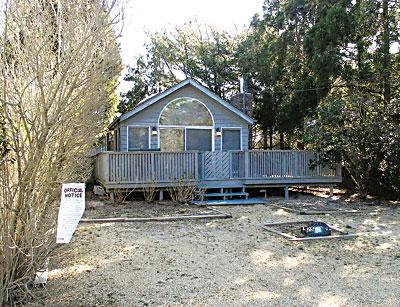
316	229
291	231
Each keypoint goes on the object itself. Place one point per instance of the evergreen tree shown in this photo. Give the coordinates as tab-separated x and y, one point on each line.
192	51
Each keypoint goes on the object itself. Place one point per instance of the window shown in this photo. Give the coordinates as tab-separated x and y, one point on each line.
186	124
186	112
199	139
138	138
230	139
172	139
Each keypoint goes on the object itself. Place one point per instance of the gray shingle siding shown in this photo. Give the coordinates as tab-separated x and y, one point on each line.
149	117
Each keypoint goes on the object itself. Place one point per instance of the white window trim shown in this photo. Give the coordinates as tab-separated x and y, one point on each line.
232	128
137	126
184	128
202	128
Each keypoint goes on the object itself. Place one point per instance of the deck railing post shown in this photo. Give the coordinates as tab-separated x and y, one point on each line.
246	164
230	164
152	161
196	165
338	170
106	167
203	167
296	164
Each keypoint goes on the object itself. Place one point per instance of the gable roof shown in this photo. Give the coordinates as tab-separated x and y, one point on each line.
153	99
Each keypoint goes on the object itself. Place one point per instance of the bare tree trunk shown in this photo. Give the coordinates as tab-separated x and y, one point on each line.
251	137
281	140
271	137
386	54
265	139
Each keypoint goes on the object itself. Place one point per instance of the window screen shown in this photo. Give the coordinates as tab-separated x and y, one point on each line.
198	139
138	138
230	139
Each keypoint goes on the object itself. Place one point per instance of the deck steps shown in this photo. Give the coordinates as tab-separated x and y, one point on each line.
231	202
226	194
221	185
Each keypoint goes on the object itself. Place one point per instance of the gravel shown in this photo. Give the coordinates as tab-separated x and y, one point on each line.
230	262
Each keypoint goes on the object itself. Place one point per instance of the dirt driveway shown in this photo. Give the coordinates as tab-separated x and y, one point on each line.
230	262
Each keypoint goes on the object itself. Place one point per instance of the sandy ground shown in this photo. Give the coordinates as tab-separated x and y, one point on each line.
97	209
231	262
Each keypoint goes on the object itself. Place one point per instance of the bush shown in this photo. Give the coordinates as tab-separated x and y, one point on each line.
356	130
182	192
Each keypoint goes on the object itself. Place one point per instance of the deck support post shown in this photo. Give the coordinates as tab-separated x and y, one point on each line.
286	192
244	191
331	191
112	197
265	193
161	195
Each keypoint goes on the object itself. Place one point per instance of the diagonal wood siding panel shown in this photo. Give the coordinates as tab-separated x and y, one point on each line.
217	165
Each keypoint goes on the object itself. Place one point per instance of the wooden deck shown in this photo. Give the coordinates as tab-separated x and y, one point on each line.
255	168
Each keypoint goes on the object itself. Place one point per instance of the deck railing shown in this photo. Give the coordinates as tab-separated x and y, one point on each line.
288	164
146	167
164	167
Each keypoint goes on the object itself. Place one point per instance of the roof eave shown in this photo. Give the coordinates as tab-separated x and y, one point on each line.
205	90
114	123
148	102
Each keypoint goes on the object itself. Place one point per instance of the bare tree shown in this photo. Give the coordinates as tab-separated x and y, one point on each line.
59	61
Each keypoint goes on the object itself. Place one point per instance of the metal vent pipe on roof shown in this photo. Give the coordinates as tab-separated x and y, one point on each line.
243	81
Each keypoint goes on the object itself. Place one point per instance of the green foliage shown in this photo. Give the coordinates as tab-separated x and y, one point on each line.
355	129
347	130
325	78
142	85
292	57
192	51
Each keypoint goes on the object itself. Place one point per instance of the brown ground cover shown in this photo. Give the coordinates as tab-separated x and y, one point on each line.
97	208
229	262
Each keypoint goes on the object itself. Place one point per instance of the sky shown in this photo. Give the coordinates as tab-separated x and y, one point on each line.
155	15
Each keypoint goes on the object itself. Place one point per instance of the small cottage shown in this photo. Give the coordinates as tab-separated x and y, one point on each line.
187	134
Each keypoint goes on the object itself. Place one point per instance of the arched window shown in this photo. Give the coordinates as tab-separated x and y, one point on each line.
186	124
186	112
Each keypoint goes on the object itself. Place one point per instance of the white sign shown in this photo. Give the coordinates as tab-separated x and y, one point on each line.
71	210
